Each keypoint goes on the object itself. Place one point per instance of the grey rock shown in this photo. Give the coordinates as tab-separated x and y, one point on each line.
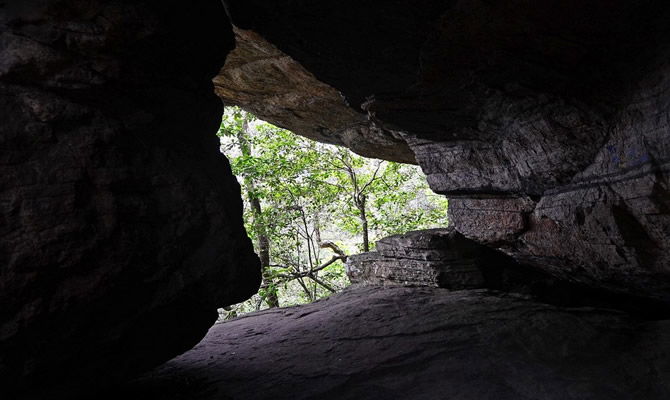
447	259
437	257
421	343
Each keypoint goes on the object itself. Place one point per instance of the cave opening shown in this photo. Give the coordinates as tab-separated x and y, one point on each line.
309	206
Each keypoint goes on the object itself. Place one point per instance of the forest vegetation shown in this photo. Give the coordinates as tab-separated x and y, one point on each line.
308	205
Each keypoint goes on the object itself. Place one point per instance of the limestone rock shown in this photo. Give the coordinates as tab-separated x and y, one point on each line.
120	223
421	343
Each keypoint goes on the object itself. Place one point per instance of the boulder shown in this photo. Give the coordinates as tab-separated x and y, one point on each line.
436	257
445	258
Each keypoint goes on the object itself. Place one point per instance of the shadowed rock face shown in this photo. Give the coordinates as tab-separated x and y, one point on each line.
445	258
421	343
120	223
545	122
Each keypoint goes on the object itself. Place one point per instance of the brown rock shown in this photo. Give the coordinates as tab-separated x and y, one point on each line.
262	79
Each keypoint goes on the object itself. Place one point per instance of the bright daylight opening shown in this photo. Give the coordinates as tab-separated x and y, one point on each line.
309	205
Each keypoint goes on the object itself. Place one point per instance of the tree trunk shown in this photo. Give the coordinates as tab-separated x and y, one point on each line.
263	241
263	252
364	221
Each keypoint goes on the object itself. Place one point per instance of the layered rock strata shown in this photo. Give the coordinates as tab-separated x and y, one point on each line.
438	257
546	122
445	258
120	223
421	343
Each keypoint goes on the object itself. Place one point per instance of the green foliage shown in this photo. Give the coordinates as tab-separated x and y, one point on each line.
309	194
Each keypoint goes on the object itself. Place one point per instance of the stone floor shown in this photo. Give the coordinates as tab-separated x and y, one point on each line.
420	343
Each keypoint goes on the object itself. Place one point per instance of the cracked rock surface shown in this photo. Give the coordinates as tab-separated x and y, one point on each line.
544	122
421	343
434	257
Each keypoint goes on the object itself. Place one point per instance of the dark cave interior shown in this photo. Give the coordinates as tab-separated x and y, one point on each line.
546	124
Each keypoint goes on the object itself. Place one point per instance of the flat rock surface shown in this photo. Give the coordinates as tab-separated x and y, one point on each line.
420	343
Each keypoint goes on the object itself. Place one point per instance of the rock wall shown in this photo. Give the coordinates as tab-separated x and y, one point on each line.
544	122
445	258
120	223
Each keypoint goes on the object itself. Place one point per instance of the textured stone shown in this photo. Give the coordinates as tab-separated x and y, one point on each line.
437	257
120	223
260	78
445	258
545	122
421	343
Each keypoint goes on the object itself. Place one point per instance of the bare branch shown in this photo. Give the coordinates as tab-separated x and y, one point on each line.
322	283
310	273
374	177
305	288
335	248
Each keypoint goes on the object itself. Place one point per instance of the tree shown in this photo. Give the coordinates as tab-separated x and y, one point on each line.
357	184
308	205
242	135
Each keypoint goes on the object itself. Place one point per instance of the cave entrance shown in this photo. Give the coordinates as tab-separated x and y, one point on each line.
310	205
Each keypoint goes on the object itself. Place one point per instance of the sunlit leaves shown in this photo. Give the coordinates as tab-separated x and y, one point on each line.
307	191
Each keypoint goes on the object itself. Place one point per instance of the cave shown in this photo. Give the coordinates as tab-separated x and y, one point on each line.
545	123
